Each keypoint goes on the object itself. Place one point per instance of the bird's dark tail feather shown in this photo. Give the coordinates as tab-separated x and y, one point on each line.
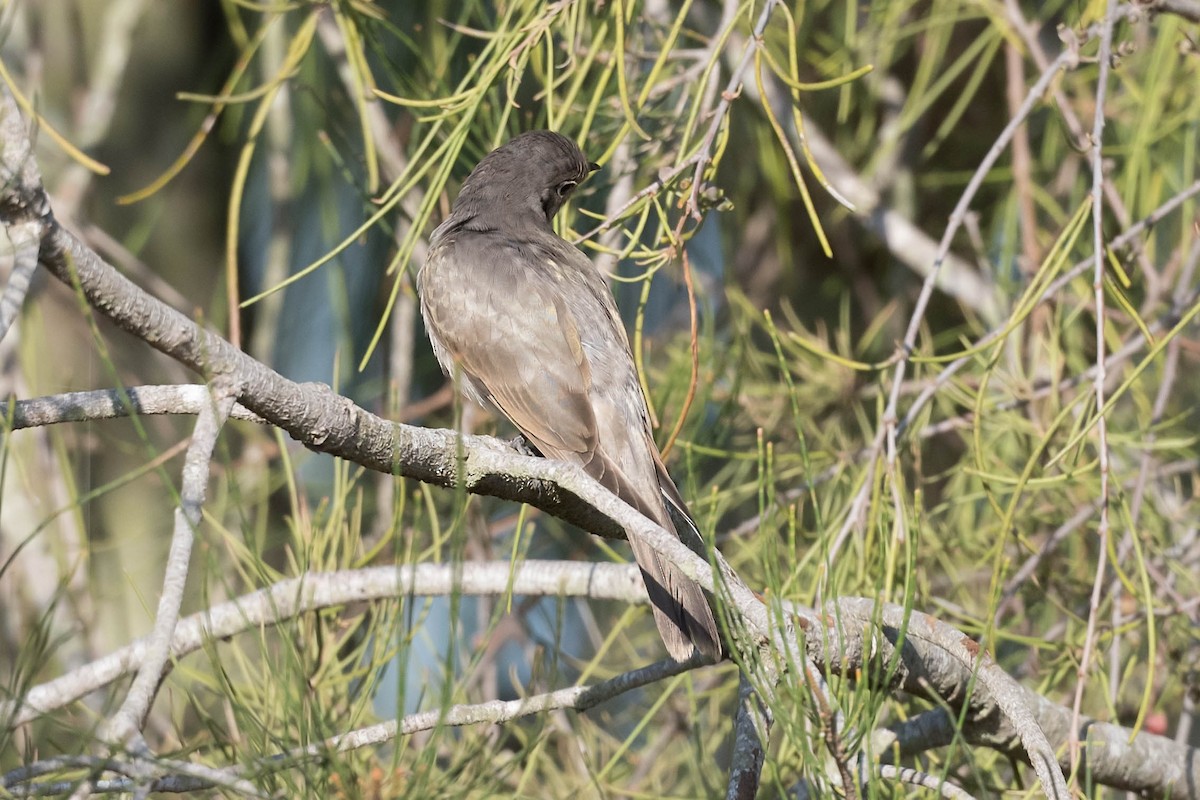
681	610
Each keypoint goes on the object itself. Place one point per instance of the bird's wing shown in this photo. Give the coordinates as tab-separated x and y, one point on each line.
511	334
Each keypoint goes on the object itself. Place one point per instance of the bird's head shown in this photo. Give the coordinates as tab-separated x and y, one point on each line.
525	181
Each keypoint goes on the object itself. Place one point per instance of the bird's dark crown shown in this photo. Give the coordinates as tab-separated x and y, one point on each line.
524	182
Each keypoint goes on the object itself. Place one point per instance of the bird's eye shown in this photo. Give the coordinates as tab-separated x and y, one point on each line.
565	188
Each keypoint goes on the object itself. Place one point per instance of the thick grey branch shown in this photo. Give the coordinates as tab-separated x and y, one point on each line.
751	732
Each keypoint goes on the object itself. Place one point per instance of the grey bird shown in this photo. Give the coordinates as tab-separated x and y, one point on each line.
531	327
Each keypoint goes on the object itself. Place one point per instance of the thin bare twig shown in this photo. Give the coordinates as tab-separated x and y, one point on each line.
1102	531
923	779
125	725
99	404
732	90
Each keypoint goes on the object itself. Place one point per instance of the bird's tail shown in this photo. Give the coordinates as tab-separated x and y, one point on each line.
681	610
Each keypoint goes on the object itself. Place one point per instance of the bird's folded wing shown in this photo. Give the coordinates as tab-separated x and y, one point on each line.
516	342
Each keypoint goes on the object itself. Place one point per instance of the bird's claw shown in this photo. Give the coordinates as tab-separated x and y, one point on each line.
522	446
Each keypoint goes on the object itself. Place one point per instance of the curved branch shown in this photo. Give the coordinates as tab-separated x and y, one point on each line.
840	640
292	597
